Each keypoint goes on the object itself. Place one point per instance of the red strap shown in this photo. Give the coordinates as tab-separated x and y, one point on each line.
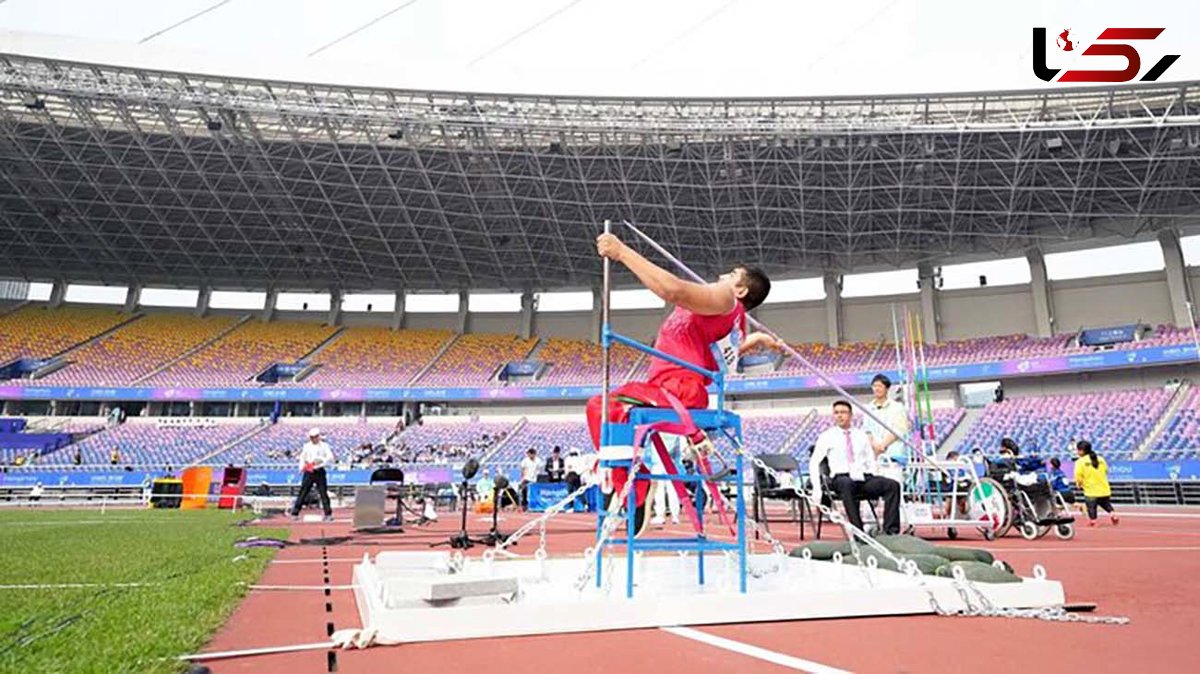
684	498
705	467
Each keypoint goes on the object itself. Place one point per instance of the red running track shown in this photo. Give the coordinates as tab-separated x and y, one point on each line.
1144	569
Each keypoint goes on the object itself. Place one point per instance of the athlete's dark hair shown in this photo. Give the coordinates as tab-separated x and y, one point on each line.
758	286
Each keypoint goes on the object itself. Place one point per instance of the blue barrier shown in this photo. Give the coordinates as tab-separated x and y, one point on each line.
541	493
1103	360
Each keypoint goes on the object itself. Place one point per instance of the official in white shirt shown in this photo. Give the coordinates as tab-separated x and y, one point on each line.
314	457
529	474
853	468
892	413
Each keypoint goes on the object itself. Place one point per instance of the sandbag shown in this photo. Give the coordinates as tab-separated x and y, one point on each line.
979	572
927	564
907	545
964	554
822	550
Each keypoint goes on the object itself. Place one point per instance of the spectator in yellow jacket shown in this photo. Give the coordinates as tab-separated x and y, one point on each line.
1091	474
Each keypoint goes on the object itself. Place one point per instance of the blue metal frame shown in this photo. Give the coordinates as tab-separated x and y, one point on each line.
709	420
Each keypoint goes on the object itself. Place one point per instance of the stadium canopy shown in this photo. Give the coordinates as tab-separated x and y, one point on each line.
131	164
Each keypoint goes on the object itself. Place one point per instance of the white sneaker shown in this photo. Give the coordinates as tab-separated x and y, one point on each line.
657	521
675	519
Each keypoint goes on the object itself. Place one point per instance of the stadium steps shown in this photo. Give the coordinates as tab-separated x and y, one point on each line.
512	433
628	375
433	361
790	445
95	338
316	350
187	354
62	360
495	376
1177	400
257	430
961	431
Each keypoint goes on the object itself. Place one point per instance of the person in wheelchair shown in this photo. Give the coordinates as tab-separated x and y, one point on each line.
853	470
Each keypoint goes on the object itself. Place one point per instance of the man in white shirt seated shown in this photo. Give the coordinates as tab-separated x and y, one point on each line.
314	458
853	468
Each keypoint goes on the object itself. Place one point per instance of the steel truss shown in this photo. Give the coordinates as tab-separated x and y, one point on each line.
124	175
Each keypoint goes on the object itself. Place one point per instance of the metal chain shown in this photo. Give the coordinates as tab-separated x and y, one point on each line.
964	585
607	528
540	521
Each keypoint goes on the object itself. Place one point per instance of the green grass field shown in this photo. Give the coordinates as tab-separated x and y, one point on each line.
184	558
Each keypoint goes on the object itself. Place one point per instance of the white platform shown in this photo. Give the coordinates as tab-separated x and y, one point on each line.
393	595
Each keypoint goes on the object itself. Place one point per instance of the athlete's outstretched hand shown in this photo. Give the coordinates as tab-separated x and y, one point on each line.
609	246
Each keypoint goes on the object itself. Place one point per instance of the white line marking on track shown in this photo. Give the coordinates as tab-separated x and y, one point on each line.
317	560
780	659
301	587
1189	548
70	586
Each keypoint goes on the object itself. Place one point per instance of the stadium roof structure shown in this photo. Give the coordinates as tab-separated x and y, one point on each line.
129	175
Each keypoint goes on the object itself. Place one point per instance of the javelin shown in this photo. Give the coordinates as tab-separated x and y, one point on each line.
763	328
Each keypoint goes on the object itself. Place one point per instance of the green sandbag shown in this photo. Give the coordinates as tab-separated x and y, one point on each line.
907	545
964	554
927	564
821	550
979	572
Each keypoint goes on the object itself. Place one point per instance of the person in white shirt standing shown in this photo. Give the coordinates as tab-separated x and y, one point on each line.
529	474
853	469
892	413
314	457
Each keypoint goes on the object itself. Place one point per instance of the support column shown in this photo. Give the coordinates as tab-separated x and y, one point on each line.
57	292
597	313
398	313
527	312
1043	307
335	307
269	308
1177	282
464	316
928	279
833	308
132	297
202	301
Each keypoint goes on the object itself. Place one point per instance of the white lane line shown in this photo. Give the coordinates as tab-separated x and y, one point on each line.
1189	548
316	560
780	659
301	587
70	586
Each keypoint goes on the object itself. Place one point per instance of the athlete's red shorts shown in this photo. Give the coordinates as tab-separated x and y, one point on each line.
690	390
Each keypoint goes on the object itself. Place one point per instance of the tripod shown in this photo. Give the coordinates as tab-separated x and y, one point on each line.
462	540
495	537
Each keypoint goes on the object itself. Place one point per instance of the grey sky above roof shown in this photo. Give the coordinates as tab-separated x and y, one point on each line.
616	47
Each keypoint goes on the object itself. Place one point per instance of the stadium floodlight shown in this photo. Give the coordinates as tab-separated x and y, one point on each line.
34	103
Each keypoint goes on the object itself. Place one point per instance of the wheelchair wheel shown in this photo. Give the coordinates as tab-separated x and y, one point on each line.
1065	531
988	534
1029	531
991	506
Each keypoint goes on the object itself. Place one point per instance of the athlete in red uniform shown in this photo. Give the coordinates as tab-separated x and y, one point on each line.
704	314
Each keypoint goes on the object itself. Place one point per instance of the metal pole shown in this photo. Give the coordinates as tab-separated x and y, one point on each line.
605	342
1195	338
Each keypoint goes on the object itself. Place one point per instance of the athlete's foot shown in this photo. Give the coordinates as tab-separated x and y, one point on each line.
1115	520
1091	523
675	519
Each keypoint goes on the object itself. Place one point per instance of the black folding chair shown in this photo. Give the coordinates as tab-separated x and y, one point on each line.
766	487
